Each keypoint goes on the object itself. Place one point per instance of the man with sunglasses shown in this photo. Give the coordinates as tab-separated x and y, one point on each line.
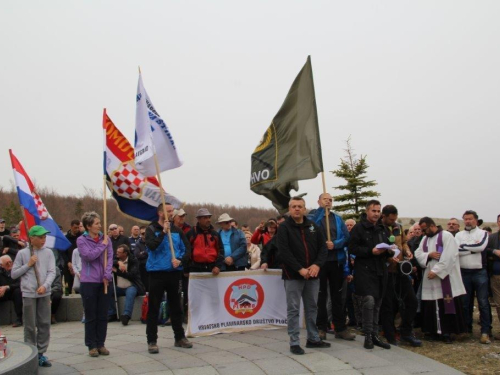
36	267
116	238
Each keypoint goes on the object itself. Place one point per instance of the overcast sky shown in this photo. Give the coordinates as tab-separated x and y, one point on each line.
416	84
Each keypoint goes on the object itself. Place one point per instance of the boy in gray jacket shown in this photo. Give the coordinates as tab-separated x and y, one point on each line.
36	268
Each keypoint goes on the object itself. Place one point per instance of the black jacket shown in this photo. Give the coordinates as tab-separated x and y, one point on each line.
67	255
269	254
141	252
370	271
300	246
120	240
5	279
493	244
132	274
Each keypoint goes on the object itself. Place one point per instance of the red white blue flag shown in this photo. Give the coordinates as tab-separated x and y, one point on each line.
35	211
137	196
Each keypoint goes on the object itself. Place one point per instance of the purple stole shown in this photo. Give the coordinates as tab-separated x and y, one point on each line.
449	305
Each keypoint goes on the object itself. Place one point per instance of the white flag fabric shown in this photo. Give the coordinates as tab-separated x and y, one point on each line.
152	135
236	302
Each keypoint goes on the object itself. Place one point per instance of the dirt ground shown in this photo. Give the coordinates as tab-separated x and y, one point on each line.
466	354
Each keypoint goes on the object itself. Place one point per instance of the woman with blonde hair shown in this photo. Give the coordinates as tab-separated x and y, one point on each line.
253	252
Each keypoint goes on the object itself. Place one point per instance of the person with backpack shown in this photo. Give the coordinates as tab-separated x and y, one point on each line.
207	252
165	274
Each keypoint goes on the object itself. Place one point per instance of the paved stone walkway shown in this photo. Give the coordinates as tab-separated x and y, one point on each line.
258	352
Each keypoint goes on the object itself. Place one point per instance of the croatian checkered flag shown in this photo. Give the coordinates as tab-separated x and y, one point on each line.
137	196
152	135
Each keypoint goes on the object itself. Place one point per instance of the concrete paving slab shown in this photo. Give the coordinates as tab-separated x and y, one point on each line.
255	352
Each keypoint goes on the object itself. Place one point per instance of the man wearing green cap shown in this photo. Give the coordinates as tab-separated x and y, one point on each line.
35	265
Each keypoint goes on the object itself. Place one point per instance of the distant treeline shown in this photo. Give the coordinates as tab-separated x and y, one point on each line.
66	208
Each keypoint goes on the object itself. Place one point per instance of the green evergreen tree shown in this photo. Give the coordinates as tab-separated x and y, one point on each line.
353	170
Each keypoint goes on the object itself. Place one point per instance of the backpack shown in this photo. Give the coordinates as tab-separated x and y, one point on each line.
144	309
204	247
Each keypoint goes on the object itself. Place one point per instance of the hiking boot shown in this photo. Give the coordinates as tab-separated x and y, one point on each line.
183	343
322	334
125	319
153	348
94	352
317	344
345	335
368	342
376	341
485	339
412	340
103	351
296	349
43	361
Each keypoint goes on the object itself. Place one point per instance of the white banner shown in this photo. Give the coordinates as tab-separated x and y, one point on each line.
236	302
152	135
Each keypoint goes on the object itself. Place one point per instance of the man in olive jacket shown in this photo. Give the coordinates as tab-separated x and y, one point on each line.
370	269
302	251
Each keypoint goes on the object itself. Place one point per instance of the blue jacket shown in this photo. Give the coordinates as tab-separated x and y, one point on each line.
238	243
158	245
338	232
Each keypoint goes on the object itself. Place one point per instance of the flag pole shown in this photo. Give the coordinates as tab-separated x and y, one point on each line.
32	252
162	194
104	205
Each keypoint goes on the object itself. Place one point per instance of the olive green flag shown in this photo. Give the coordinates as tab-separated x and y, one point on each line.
290	150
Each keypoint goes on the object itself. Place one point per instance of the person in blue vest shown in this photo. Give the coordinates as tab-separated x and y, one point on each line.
332	273
234	243
165	274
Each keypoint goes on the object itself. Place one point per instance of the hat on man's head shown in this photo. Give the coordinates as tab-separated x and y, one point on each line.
179	212
224	218
2	221
203	212
37	230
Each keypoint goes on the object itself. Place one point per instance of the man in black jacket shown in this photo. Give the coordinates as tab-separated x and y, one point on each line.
302	249
67	255
128	283
370	270
10	289
116	238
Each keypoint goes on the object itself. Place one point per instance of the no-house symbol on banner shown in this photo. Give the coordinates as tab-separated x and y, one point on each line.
244	298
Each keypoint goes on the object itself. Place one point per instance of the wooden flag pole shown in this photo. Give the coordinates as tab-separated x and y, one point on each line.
327	211
105	210
32	252
162	194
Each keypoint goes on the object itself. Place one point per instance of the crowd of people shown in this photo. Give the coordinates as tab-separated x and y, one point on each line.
363	275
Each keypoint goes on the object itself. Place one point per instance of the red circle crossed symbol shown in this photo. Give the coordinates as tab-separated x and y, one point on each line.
244	298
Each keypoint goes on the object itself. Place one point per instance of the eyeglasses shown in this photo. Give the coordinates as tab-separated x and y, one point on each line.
113	228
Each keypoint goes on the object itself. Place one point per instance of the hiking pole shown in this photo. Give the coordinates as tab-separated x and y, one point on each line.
116	299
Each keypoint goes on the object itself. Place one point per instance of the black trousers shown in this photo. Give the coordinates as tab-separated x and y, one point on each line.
95	305
55	299
144	276
332	274
68	278
160	282
16	297
399	296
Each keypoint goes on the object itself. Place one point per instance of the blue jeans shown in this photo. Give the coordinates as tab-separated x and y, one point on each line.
476	281
307	290
129	294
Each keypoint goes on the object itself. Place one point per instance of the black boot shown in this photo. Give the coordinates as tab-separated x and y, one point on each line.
368	342
378	342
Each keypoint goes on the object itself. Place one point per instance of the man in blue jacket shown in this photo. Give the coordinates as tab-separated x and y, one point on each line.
165	275
332	273
235	245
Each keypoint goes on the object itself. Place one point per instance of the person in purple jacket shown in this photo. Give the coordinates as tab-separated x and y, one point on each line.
93	246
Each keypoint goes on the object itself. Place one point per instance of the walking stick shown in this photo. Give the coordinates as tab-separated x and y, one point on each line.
116	299
438	319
